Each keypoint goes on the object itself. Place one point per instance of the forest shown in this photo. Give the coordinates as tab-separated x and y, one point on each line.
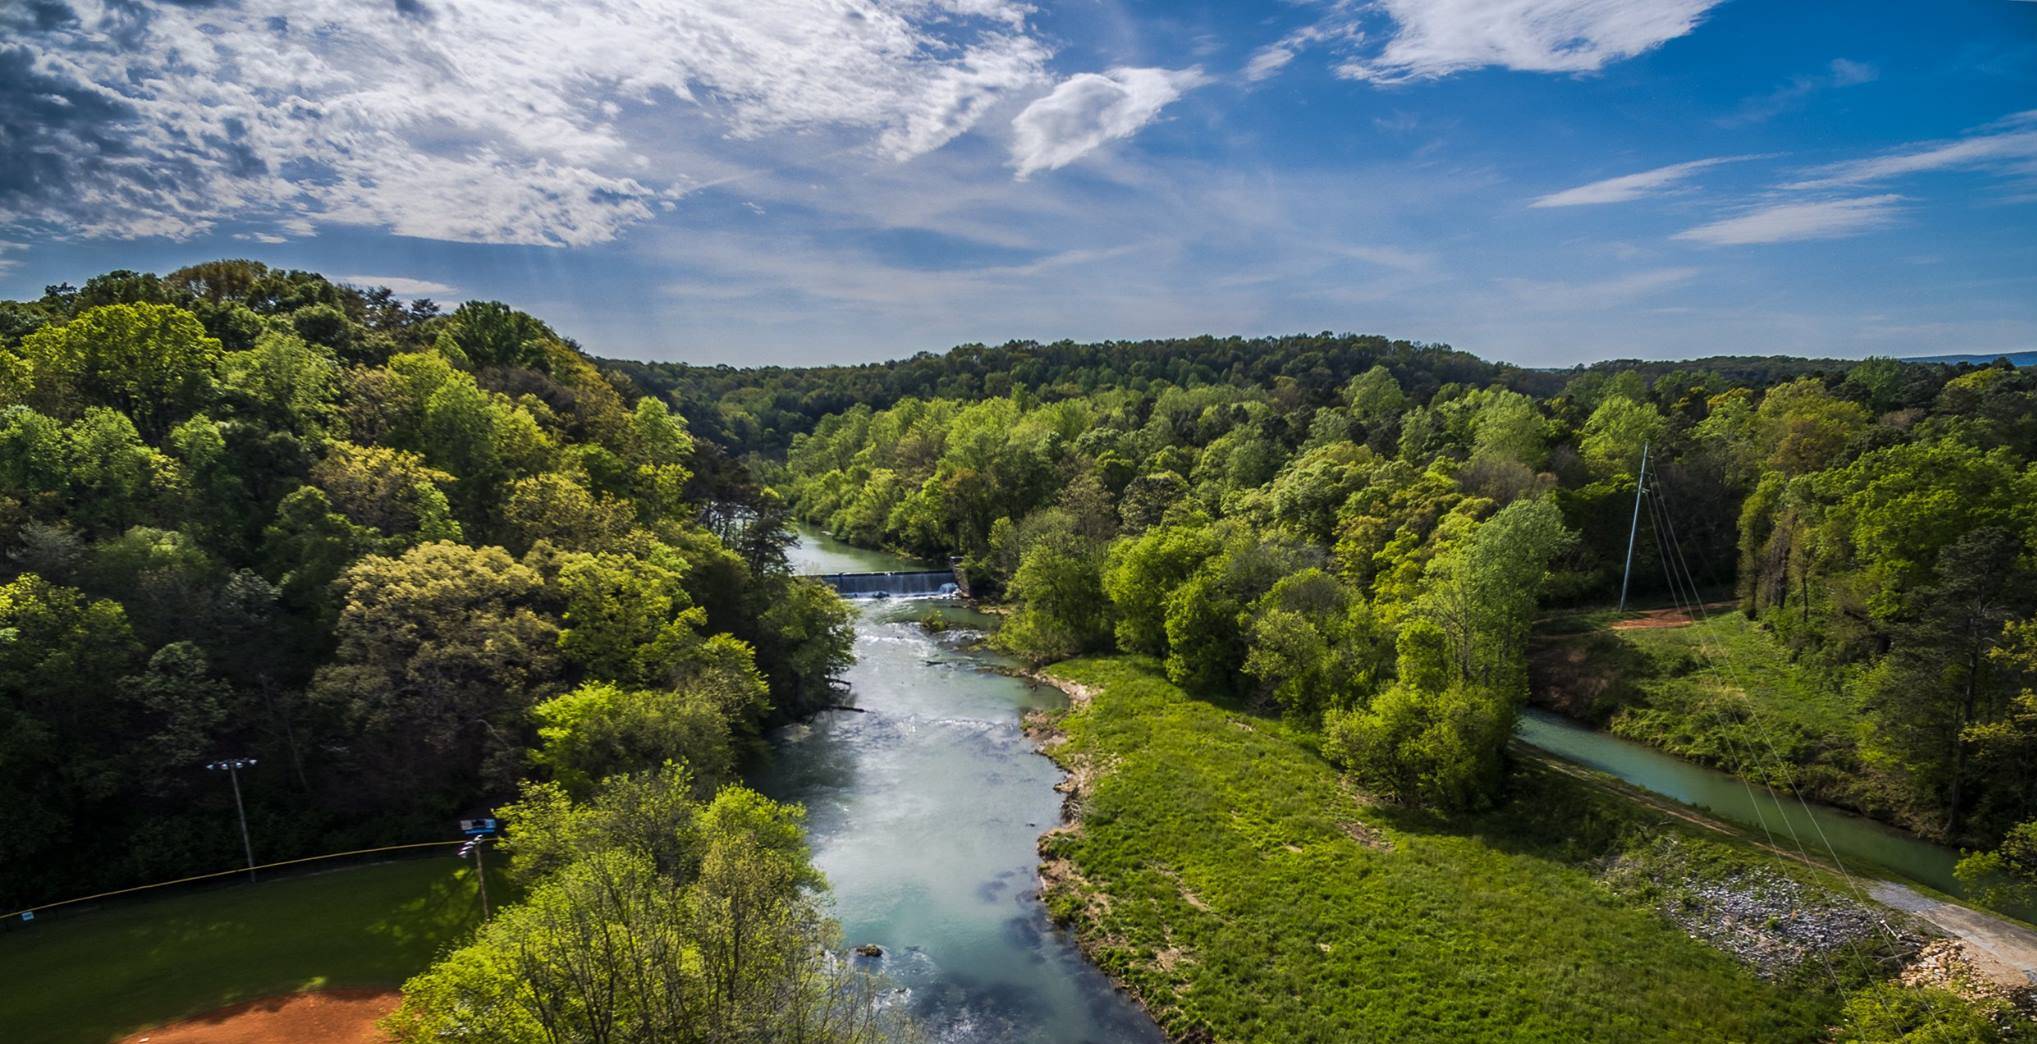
421	564
1369	553
413	563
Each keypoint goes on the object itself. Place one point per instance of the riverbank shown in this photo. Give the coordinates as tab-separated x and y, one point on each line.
1718	690
1219	870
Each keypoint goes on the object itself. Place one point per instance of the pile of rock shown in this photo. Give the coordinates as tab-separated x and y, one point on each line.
1766	918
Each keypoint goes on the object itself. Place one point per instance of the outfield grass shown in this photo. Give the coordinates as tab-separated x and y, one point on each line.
1224	873
93	976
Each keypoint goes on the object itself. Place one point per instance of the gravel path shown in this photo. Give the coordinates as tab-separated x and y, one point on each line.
2002	951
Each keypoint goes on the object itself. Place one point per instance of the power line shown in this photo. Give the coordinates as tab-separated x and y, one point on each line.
221	873
1702	619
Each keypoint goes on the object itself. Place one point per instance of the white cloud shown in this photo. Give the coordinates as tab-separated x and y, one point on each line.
1089	110
1433	38
1787	222
1629	187
2009	145
474	120
402	285
9	264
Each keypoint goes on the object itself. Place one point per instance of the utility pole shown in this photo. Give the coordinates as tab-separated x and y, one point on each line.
232	767
1640	483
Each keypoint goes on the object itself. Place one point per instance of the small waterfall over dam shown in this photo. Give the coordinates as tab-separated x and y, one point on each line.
906	584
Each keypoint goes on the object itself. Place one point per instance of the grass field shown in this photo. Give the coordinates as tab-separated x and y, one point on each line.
1224	873
92	976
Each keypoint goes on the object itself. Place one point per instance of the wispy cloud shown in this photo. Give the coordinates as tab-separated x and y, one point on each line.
1089	110
9	264
1433	38
1394	257
2008	145
1596	294
404	285
1840	72
486	120
1396	41
1629	187
1338	26
1789	222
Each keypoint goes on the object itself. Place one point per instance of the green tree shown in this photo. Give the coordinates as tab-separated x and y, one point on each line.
187	708
1377	403
1060	606
153	363
1139	574
729	944
1430	738
61	654
599	729
1939	678
391	491
441	656
1803	427
1483	592
1148	498
1612	438
1314	645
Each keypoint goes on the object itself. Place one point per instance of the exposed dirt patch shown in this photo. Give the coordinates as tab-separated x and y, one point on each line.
1654	620
325	1016
1366	836
1991	950
1950	964
1187	894
1583	676
1657	619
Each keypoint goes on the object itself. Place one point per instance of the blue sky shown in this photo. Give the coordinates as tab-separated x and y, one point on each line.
797	181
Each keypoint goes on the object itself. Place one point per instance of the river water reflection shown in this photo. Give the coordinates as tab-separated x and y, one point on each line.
1861	843
924	809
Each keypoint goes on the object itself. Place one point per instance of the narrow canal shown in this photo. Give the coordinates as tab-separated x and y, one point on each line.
924	808
1861	843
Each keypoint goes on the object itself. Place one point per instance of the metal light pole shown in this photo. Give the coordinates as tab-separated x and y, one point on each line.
473	847
232	767
1640	482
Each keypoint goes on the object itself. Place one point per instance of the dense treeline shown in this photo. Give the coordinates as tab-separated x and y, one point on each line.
1373	561
759	410
403	557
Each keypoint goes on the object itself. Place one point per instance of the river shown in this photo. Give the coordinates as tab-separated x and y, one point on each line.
924	810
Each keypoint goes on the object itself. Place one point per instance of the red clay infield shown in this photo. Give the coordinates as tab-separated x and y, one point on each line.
323	1016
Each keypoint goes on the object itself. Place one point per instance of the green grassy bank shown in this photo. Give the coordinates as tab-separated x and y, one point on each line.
1723	692
1223	872
93	976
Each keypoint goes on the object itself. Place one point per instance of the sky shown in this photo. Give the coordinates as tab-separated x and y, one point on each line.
1546	182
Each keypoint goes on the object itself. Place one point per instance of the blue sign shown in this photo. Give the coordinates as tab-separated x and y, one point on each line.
477	827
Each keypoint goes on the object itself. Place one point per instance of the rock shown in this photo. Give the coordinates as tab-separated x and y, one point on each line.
869	950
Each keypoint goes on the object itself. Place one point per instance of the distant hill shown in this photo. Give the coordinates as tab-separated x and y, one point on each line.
2015	358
